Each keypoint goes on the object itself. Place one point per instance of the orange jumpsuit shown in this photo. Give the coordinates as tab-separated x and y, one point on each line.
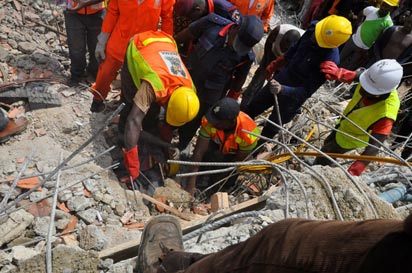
125	18
261	8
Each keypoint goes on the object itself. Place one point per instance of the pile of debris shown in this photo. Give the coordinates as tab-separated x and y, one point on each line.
61	166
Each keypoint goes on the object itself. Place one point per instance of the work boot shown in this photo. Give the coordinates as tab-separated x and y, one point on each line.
161	233
14	126
177	261
97	106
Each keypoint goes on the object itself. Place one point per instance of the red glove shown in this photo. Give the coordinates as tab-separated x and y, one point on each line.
233	94
131	161
333	72
357	168
275	65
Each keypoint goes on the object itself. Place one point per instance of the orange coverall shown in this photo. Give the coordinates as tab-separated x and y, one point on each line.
261	8
124	18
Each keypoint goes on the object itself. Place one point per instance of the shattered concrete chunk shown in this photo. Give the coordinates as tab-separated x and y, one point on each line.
41	226
92	238
79	203
5	258
90	184
21	254
61	223
27	47
14	226
38	195
89	216
9	268
126	266
4	188
64	259
64	195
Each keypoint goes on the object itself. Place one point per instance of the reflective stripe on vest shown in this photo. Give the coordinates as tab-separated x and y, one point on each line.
91	9
365	117
230	144
152	56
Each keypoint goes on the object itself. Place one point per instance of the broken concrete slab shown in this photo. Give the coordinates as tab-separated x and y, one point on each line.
79	203
5	258
20	254
92	238
89	216
41	226
64	259
14	226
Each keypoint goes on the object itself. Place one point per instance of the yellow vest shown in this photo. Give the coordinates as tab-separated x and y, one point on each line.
364	117
152	56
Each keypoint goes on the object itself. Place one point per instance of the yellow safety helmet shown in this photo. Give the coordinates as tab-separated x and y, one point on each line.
332	31
393	3
182	107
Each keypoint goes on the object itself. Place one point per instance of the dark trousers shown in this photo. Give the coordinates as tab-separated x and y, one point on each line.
298	246
82	31
263	100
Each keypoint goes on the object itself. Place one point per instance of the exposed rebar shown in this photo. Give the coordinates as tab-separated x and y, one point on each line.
65	161
51	225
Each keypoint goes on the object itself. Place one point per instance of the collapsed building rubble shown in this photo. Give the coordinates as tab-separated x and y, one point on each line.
95	214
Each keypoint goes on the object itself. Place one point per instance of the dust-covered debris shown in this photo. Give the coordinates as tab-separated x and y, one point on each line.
94	211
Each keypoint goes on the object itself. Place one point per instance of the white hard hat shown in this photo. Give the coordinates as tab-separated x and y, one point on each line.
382	77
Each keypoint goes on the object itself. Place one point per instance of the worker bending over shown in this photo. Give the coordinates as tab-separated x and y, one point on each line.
221	136
153	76
373	108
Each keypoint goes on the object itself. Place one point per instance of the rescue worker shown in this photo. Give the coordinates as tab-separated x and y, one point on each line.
277	43
122	21
261	8
188	11
373	107
375	21
298	73
83	22
10	127
219	62
153	76
286	246
395	43
221	137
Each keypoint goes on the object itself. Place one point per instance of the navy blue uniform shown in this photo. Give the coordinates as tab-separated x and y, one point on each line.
300	77
214	66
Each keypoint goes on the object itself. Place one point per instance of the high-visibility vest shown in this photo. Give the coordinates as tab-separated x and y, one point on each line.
261	8
91	9
230	144
124	18
152	56
364	117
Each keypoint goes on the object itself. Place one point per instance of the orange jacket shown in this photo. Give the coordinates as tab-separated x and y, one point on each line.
89	9
125	18
261	8
234	142
152	56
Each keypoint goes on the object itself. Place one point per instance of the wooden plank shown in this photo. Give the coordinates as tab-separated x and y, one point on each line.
184	216
129	249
